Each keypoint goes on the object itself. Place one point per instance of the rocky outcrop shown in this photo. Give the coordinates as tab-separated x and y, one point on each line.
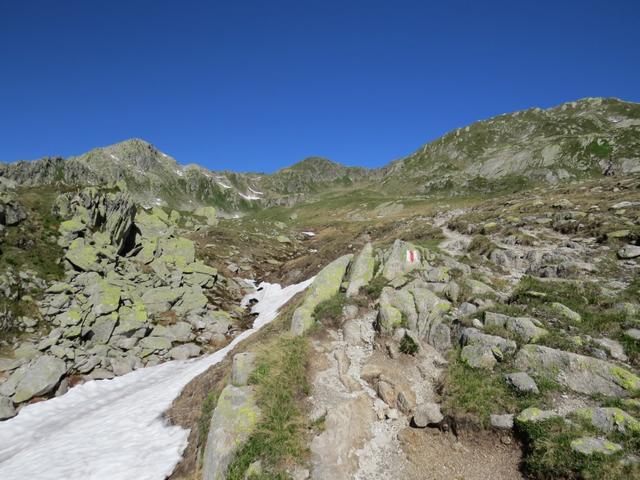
580	373
11	211
528	329
361	271
104	317
403	258
234	419
325	285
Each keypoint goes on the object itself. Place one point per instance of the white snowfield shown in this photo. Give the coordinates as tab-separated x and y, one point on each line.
115	429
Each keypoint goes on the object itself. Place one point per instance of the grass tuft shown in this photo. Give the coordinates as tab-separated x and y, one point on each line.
280	381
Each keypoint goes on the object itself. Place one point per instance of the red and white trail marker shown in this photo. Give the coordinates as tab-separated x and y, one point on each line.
413	256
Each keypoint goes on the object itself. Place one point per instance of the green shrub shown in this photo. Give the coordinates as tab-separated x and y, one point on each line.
329	312
374	289
408	345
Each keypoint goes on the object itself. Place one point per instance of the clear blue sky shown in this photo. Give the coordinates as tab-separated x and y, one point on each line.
260	85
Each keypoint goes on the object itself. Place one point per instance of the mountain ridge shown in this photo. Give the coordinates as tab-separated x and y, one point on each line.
585	137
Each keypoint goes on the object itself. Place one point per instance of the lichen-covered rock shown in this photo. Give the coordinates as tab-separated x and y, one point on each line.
40	377
479	356
150	345
565	312
580	373
132	319
400	301
105	298
83	256
325	285
69	230
361	271
151	226
178	251
209	213
158	300
234	419
472	336
609	419
534	415
594	445
389	317
524	327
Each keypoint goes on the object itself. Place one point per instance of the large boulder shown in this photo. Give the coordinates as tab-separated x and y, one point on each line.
431	312
473	336
178	251
234	419
83	256
158	300
40	377
11	212
325	286
151	226
580	373
629	251
609	419
7	410
403	258
105	298
361	271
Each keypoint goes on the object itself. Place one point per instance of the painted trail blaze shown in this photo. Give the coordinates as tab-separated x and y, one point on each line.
412	256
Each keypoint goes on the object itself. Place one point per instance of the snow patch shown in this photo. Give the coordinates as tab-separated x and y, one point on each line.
114	157
115	429
255	191
309	234
249	197
223	185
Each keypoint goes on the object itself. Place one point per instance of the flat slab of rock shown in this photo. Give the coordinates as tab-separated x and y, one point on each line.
182	352
609	419
243	364
361	271
522	382
7	410
326	285
234	419
591	445
580	373
629	251
41	376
